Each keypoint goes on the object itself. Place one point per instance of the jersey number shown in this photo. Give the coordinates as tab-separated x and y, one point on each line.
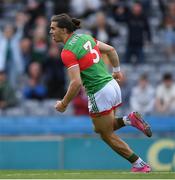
88	46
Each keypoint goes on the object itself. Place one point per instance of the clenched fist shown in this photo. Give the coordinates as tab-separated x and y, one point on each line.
60	106
118	76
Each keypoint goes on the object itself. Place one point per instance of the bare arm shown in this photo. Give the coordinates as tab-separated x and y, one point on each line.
110	52
73	89
113	58
74	85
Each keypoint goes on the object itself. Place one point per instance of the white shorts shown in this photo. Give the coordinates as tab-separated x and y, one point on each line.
105	100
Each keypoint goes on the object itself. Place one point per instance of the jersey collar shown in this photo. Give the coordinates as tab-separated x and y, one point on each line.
68	37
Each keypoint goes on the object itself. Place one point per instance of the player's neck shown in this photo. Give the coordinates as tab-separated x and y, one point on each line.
66	37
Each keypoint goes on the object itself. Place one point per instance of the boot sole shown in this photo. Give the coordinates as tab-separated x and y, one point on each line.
147	128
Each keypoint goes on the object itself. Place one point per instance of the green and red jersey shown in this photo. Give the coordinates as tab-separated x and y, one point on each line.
82	50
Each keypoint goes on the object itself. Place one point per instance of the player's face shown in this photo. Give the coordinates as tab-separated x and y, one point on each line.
56	32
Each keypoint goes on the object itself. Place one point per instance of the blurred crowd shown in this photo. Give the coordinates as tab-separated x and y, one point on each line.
142	31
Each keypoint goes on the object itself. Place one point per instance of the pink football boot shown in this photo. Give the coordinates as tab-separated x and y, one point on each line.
138	122
145	169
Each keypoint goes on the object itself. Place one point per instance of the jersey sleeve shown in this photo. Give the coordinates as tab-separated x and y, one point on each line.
69	59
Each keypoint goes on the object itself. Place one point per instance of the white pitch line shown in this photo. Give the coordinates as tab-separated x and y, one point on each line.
83	173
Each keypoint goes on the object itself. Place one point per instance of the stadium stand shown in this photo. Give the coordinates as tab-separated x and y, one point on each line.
32	19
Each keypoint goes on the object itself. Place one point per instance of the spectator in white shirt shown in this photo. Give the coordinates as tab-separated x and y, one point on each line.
165	95
142	96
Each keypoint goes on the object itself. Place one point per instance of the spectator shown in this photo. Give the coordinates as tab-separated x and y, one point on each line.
171	10
165	95
54	73
41	21
7	93
80	104
142	96
125	86
167	9
109	5
34	9
84	8
34	89
21	19
138	27
26	50
40	45
102	30
168	35
10	53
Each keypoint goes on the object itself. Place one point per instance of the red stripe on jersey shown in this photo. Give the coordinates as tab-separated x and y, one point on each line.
68	58
87	60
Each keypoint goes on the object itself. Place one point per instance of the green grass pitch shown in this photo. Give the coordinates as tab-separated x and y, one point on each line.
82	174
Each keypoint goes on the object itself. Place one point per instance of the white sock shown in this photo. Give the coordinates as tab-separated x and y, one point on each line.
126	120
139	163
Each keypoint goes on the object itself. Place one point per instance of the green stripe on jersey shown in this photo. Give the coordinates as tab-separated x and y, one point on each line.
95	77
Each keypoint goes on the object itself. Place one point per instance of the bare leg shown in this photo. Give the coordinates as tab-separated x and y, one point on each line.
134	119
118	122
104	125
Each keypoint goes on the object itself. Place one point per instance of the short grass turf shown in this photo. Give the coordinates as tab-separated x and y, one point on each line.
82	174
